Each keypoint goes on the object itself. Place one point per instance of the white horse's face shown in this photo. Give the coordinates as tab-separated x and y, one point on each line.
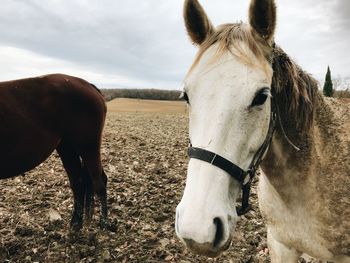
229	110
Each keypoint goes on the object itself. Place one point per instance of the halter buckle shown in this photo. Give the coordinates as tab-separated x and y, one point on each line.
247	178
214	157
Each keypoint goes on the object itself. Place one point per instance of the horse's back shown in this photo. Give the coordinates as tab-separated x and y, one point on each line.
332	135
50	100
340	114
332	171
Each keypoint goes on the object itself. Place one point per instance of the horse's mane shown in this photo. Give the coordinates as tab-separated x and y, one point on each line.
295	90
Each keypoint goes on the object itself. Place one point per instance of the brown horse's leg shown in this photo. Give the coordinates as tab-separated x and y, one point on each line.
73	167
92	161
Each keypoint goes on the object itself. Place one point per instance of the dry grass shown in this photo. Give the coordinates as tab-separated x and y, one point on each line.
345	100
136	105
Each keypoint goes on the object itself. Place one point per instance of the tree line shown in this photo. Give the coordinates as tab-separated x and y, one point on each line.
332	88
146	94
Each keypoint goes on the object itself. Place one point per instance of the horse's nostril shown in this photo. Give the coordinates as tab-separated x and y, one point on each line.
219	235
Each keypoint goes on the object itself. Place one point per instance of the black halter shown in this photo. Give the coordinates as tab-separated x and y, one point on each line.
244	177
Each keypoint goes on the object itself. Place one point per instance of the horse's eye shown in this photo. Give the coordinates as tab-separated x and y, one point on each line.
260	97
184	97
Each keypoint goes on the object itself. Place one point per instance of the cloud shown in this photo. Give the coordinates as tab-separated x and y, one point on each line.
341	13
143	43
315	36
131	39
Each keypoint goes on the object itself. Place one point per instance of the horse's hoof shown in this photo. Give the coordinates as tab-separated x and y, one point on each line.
74	236
106	225
76	227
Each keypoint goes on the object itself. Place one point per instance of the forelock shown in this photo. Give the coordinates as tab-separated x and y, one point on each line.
230	37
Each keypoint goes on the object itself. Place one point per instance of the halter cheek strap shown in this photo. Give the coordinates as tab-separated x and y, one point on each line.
245	178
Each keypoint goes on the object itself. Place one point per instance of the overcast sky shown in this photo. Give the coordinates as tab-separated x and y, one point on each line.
143	44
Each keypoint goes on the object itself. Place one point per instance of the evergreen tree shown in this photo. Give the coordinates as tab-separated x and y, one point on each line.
328	84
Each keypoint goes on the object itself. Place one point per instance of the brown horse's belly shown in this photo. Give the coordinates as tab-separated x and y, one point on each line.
19	154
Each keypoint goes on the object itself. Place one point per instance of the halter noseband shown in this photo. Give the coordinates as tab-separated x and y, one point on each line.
245	178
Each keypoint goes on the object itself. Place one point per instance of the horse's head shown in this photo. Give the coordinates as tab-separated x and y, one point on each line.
228	93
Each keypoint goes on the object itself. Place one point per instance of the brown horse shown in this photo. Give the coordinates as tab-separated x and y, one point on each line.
56	112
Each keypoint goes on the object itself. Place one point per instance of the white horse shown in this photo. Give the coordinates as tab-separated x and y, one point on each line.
248	100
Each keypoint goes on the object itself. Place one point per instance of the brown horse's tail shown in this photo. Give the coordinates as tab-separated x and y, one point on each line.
99	91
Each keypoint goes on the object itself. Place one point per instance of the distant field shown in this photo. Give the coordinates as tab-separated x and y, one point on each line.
345	100
137	105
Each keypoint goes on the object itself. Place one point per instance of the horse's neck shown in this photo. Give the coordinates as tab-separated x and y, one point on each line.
285	167
284	163
324	150
313	183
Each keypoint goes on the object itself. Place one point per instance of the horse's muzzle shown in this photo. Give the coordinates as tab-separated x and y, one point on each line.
207	249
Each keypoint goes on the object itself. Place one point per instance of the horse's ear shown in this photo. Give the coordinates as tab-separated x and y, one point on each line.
262	18
197	23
